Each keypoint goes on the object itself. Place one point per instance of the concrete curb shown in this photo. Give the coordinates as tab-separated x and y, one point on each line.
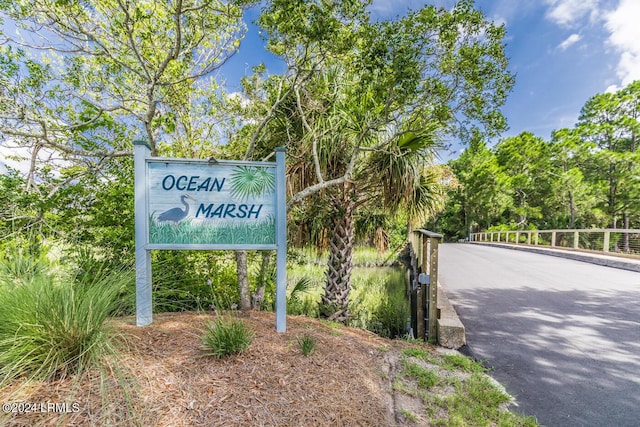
598	259
450	329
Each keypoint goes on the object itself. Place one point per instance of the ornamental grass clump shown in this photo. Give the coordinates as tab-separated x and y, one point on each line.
226	336
307	344
53	326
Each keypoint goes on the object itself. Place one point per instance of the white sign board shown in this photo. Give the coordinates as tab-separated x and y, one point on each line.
199	204
224	204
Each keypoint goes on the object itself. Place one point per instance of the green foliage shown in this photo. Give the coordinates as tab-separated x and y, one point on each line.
416	352
379	302
307	344
409	415
453	362
299	304
194	280
425	378
477	401
585	177
226	336
52	325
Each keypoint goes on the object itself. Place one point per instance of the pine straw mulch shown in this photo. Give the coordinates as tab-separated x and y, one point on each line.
161	378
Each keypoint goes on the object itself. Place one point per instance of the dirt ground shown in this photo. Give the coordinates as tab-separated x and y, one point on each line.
161	377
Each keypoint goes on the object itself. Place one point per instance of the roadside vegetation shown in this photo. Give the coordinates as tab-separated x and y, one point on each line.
454	391
66	334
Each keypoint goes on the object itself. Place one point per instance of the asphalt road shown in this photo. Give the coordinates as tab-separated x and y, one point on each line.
562	336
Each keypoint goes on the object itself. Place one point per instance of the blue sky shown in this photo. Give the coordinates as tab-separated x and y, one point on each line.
561	51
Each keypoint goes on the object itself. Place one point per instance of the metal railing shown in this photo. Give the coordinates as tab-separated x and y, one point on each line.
604	240
423	282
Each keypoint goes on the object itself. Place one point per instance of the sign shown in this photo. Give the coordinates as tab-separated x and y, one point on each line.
223	204
200	204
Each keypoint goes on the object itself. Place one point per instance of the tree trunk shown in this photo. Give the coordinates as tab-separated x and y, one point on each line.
572	211
243	280
335	301
258	296
626	242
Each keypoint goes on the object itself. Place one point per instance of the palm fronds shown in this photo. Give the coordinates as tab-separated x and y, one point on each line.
250	182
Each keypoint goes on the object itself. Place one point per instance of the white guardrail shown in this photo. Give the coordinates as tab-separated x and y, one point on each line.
605	240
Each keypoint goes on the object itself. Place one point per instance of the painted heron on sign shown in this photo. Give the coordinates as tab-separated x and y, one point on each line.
176	214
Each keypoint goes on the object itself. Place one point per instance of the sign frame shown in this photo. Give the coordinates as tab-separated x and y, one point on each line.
142	162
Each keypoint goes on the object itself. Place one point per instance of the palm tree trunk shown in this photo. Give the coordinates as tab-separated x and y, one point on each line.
335	301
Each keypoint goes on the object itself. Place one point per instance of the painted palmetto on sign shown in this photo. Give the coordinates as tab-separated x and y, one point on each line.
249	182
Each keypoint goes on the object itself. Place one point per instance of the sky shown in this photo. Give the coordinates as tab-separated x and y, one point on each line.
561	52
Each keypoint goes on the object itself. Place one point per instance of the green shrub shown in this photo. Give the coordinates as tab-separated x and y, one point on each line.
307	344
194	280
226	336
52	326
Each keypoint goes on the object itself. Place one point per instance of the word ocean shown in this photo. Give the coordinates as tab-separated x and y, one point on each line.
191	183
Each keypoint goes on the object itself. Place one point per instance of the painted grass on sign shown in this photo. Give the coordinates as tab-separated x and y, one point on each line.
186	232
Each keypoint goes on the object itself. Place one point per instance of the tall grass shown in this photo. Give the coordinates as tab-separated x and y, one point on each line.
378	301
188	232
52	325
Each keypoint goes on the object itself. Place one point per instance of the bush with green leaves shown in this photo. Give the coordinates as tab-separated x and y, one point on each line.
52	325
226	336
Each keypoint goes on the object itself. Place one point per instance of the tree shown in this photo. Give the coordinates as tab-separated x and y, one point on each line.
574	196
610	122
484	192
526	159
82	79
358	95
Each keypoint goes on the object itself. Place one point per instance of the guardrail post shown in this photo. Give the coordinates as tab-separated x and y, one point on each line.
606	243
535	238
423	289
576	239
433	288
553	238
517	237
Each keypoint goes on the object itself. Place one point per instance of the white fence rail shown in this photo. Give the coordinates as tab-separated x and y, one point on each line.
606	240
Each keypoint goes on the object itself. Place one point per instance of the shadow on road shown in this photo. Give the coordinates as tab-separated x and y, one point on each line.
570	357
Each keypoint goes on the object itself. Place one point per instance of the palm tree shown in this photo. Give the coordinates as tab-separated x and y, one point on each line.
395	178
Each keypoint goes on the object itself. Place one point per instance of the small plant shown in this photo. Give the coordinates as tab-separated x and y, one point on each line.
425	377
226	336
307	344
452	362
409	415
416	352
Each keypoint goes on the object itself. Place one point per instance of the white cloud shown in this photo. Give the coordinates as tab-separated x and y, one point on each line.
391	8
624	35
570	41
612	89
568	12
